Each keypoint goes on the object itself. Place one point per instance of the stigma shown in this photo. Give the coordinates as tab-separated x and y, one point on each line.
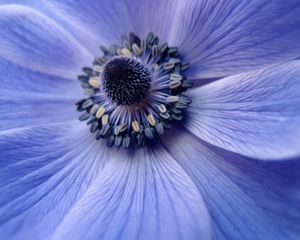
134	91
125	80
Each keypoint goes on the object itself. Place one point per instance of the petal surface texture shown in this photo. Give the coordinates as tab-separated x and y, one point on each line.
246	198
255	114
43	172
140	196
106	21
30	98
33	40
222	37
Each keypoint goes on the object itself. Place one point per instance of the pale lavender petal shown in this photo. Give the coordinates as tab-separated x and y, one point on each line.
106	21
246	198
33	40
140	196
44	171
30	98
222	37
255	114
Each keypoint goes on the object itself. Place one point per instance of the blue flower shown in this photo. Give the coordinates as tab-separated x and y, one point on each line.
229	170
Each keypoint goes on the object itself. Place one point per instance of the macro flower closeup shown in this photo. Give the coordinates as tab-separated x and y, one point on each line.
147	119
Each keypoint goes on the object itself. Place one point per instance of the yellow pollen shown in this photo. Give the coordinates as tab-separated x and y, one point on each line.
100	112
151	120
94	82
136	126
126	52
105	119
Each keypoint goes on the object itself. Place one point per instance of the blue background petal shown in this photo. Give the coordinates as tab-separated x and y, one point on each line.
31	98
140	196
256	114
222	37
33	40
246	198
43	173
108	20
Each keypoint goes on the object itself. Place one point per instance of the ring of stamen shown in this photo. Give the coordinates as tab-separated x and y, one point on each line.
134	91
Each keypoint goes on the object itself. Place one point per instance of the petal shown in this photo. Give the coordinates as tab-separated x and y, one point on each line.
221	38
42	7
22	80
145	195
31	98
25	2
43	173
255	114
246	198
108	20
33	40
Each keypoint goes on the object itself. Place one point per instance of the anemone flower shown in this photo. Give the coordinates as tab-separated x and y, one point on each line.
184	124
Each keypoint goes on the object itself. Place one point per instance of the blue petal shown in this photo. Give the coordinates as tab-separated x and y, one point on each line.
140	196
221	38
246	198
254	114
25	2
31	39
108	20
31	98
43	173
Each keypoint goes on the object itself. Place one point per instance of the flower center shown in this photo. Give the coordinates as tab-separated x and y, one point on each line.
125	80
134	91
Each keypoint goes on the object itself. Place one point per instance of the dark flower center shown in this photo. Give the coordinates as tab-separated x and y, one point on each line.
135	90
125	80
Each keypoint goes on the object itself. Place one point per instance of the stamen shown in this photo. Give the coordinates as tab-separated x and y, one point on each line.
100	112
136	126
105	119
134	91
151	120
162	108
172	99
